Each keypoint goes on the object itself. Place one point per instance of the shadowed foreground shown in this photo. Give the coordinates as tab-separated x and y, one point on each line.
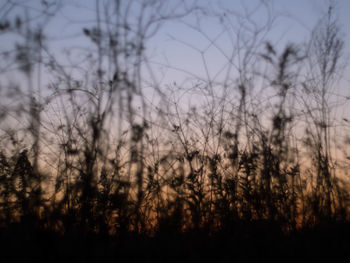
245	242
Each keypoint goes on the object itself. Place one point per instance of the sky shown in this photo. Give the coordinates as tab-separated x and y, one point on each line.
182	48
293	23
186	50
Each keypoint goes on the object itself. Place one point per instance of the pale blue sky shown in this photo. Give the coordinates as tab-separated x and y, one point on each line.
172	44
294	21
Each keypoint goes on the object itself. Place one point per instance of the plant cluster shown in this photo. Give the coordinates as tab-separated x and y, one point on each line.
91	152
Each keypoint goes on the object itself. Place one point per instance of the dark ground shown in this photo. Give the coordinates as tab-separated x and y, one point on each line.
252	242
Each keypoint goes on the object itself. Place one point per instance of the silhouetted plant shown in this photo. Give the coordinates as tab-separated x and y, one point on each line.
247	155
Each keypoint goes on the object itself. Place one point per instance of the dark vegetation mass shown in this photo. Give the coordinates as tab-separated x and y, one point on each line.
248	166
